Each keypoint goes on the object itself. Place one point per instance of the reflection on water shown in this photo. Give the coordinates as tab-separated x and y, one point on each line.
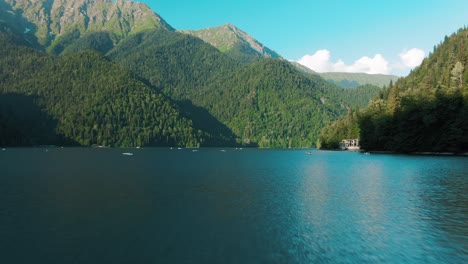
445	202
249	206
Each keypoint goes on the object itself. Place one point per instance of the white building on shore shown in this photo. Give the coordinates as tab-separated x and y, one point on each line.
350	144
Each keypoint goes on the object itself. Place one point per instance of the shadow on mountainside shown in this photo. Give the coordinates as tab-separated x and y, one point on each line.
218	133
23	123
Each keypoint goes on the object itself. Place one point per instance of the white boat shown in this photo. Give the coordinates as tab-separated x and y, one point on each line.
127	154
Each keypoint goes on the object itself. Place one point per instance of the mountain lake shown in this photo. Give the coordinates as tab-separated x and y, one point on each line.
162	205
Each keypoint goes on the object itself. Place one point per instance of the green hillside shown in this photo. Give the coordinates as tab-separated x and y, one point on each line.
82	99
424	112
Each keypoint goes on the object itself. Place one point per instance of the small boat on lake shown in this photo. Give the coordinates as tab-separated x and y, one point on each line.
127	154
309	153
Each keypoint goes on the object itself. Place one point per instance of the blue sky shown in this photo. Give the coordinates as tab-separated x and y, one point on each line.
331	35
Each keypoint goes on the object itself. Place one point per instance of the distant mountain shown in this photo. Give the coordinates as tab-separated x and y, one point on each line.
352	80
234	42
47	22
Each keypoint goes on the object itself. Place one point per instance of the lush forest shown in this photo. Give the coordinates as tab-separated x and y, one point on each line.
82	99
424	112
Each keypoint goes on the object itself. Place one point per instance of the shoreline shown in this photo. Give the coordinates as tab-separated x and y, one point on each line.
416	153
420	153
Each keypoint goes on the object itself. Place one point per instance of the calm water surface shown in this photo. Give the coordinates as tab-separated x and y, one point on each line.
238	206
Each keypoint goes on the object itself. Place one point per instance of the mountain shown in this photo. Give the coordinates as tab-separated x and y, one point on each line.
353	80
82	99
50	22
425	112
234	42
156	87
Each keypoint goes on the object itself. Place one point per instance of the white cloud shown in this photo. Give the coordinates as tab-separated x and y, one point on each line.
375	65
320	61
412	58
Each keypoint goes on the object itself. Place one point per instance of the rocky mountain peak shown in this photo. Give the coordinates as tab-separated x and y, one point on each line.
228	37
51	19
230	26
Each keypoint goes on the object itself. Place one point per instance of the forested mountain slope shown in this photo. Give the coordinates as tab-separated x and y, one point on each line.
424	112
83	99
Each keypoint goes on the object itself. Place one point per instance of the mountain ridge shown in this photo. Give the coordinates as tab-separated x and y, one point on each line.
350	79
49	20
355	79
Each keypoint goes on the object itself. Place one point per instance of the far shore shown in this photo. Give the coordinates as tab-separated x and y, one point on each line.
417	153
425	153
